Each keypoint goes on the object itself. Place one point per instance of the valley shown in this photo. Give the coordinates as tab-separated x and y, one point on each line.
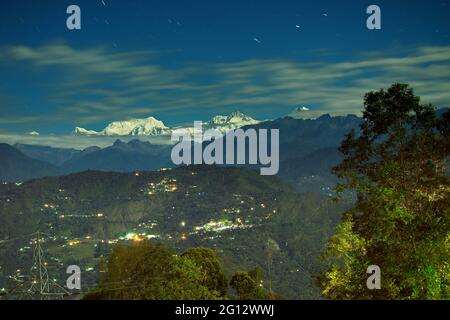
232	210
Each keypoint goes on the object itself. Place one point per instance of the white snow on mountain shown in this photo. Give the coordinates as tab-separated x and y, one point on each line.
231	122
153	127
303	112
135	127
84	132
223	124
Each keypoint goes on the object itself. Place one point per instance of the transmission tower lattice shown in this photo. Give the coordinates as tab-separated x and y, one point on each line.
39	274
40	286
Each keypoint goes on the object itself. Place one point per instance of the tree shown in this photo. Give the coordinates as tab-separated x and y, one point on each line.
397	167
148	271
247	287
208	261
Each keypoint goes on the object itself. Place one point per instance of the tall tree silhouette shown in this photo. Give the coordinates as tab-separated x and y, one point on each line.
397	166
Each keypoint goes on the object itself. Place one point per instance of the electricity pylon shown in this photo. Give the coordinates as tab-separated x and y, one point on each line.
38	274
41	287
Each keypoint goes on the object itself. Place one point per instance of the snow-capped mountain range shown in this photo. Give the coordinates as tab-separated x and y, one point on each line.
153	127
135	127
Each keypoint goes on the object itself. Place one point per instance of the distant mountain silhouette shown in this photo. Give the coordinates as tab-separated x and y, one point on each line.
308	150
17	167
55	156
135	155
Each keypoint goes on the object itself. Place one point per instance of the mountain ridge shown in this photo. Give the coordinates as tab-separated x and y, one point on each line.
135	127
152	127
300	142
17	167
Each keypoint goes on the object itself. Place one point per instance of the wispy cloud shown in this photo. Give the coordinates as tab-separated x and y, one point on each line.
98	85
71	141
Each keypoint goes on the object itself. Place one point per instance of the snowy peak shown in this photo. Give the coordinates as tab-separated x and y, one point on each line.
84	132
135	127
153	127
303	112
233	121
301	108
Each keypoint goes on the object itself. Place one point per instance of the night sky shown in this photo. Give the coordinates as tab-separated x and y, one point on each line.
181	61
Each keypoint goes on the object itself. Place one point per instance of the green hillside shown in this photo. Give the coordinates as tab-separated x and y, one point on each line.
232	210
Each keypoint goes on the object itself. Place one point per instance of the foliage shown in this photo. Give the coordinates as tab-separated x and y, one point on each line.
206	259
148	271
299	223
398	168
249	285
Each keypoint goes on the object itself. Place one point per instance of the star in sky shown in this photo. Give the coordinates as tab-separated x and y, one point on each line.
158	58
